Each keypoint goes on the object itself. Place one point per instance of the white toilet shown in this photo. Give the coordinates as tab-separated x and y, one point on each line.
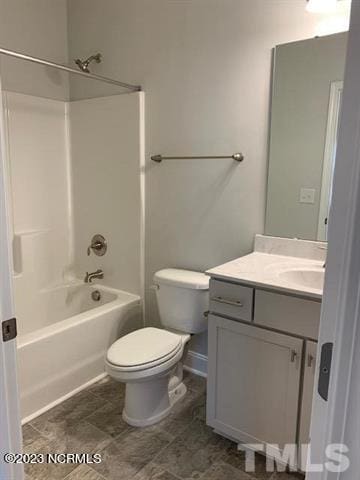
149	360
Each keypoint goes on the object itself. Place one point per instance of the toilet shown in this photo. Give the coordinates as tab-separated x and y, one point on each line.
149	360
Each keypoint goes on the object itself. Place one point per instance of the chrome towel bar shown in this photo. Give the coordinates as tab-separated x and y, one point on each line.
239	157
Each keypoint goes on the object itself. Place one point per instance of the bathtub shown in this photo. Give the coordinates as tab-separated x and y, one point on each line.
66	353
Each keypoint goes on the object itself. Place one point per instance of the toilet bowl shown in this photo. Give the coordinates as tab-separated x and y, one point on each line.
149	360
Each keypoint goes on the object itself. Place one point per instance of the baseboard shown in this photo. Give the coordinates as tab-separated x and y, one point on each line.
196	363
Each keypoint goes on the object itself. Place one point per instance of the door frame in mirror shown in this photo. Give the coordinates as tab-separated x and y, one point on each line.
336	89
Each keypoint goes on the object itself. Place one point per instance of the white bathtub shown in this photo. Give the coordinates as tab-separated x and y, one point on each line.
67	353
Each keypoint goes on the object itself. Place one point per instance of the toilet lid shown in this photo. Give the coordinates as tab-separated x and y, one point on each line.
144	346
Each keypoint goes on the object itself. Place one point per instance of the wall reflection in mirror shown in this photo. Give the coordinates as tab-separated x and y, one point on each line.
306	103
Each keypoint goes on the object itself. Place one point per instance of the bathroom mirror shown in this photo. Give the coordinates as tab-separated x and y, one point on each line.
305	107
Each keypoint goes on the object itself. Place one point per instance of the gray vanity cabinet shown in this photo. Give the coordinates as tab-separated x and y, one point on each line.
253	382
261	364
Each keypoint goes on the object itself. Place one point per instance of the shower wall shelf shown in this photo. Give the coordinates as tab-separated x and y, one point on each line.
238	157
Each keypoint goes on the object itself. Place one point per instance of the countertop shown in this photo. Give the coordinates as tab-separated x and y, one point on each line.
267	271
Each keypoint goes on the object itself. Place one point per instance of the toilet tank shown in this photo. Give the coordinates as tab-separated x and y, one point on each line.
183	298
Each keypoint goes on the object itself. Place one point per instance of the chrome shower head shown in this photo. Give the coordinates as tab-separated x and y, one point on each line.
84	64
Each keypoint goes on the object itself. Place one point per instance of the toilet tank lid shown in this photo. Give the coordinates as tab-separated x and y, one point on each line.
182	278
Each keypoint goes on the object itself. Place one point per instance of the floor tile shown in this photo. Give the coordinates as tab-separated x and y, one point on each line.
109	419
180	447
198	408
80	438
66	414
236	458
192	452
130	452
189	408
31	438
84	472
194	382
46	471
77	438
288	476
153	472
223	471
109	390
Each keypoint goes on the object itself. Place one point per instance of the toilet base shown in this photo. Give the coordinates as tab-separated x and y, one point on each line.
148	403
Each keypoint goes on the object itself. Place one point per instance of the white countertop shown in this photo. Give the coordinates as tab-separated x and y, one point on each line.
272	271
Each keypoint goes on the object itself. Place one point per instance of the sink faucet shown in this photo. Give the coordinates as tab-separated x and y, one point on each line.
90	276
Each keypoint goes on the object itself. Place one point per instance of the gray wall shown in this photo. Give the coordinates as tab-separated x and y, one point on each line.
303	74
205	66
39	28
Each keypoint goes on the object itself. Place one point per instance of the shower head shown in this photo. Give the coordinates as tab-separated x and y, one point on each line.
84	64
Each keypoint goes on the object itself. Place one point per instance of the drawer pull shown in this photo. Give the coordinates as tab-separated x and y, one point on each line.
293	355
310	360
234	303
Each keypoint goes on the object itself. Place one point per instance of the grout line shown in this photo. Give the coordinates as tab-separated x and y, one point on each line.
170	443
173	474
99	430
45	437
235	469
95	471
105	404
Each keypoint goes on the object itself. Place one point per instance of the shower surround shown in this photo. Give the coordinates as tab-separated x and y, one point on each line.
75	169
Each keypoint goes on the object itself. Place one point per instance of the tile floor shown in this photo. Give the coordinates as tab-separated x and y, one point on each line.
181	447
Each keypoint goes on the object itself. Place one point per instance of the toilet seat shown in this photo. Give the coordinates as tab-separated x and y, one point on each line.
144	349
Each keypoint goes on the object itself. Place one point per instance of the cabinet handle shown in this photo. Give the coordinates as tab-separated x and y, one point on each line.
311	358
234	303
294	355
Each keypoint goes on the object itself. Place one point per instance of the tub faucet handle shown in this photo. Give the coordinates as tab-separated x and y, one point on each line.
98	245
94	246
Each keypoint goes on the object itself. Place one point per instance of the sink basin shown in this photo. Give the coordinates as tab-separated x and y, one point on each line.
310	278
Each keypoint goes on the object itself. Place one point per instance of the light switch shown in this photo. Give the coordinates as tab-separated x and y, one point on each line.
307	195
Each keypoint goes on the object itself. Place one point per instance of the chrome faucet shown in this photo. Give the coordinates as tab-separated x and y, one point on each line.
90	276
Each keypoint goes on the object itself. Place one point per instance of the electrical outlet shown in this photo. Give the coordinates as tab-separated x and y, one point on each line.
307	195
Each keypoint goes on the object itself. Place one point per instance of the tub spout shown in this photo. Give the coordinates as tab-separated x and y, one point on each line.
90	276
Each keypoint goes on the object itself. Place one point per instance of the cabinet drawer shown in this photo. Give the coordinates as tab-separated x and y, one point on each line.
231	300
290	314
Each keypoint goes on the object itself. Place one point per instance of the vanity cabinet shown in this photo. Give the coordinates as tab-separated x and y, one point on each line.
253	382
261	364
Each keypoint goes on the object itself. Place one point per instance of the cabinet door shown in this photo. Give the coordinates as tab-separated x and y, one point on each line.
253	382
307	395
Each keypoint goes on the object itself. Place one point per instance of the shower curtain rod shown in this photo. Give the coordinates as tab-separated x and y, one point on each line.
29	58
